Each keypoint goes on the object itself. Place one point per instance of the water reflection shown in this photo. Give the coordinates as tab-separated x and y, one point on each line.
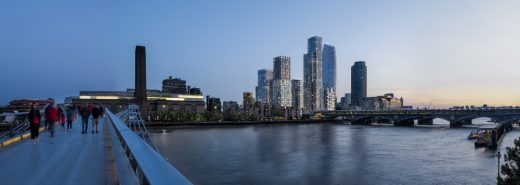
328	154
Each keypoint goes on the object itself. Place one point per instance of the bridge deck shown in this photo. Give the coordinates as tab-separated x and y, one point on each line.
68	158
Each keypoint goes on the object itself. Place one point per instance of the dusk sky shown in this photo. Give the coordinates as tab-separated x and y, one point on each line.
450	52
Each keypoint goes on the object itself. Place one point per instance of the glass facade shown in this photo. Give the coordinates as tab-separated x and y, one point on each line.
312	75
329	67
358	83
263	91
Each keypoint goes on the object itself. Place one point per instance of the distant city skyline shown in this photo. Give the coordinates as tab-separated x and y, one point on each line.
447	52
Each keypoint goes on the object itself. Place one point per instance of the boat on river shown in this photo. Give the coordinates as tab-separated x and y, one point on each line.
473	134
490	135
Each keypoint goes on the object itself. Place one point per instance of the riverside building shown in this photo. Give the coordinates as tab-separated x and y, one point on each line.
263	90
358	83
281	83
149	100
312	75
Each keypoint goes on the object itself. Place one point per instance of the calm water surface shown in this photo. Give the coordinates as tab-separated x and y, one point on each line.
329	154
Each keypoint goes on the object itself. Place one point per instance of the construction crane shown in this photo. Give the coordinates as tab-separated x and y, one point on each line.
429	105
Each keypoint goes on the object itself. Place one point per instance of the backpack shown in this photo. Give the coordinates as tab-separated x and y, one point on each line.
85	112
70	114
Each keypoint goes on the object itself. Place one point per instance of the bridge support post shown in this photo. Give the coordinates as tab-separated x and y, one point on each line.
455	124
425	122
404	123
460	123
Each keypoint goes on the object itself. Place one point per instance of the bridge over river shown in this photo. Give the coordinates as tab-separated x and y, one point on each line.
456	118
115	155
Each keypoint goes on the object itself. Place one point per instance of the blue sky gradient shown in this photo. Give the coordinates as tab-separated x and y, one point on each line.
451	52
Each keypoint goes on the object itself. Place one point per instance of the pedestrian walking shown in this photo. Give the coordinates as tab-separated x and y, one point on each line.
34	120
61	119
85	114
96	113
45	112
51	117
71	116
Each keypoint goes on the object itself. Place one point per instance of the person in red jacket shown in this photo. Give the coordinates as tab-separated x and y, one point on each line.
51	117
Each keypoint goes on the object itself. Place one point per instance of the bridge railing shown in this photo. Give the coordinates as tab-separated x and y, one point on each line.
18	128
133	119
136	161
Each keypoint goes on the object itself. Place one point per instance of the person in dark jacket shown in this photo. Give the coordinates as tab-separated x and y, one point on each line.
34	120
96	113
85	114
71	116
61	119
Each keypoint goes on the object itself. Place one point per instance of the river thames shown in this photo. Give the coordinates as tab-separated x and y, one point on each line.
325	153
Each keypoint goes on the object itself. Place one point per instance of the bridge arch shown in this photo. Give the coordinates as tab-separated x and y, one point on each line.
482	119
441	120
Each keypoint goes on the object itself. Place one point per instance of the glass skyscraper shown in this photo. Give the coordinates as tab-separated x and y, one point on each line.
263	91
329	77
358	83
329	67
312	75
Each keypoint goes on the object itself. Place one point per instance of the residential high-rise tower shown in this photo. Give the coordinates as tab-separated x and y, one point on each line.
358	83
297	96
282	67
329	99
312	75
263	91
282	82
329	67
329	77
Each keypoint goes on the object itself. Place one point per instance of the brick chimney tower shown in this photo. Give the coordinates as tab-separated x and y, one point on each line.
140	79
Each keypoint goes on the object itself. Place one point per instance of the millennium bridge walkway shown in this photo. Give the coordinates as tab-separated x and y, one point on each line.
456	118
115	155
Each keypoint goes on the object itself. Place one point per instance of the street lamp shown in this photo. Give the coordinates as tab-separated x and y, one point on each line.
498	160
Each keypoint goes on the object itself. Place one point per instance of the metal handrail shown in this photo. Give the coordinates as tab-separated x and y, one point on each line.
20	128
147	164
136	123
